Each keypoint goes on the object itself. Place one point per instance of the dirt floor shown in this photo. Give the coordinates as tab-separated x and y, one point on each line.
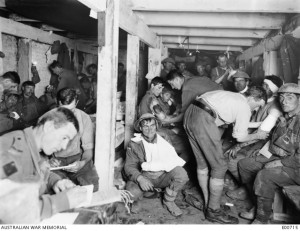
152	211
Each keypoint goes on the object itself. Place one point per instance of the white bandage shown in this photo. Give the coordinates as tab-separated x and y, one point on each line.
271	85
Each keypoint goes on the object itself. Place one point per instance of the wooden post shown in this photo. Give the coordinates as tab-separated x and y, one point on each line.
133	52
270	63
1	59
106	95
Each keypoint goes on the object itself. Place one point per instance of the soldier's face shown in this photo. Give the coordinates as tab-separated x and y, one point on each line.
289	102
149	129
240	83
56	139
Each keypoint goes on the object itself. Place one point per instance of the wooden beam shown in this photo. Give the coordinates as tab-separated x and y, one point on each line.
213	20
95	5
1	59
106	94
209	32
268	6
132	24
128	21
210	41
270	44
19	18
21	30
50	28
132	68
205	47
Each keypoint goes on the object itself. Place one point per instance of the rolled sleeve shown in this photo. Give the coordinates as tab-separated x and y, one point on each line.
240	129
132	165
187	98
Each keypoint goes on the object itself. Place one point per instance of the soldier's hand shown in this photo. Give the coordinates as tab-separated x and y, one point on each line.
262	135
273	164
255	153
63	185
54	162
232	152
145	184
77	166
76	196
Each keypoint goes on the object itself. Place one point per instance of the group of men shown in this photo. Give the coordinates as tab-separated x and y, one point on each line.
172	130
259	117
62	136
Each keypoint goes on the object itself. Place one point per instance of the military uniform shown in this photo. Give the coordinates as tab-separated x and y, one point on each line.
20	161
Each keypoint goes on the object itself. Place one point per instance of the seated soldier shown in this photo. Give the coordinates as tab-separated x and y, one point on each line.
200	67
164	107
152	98
152	163
9	81
81	149
86	86
20	161
266	118
156	86
7	118
181	67
49	98
279	166
29	108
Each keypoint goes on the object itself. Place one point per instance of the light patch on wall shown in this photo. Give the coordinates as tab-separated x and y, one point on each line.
10	49
39	55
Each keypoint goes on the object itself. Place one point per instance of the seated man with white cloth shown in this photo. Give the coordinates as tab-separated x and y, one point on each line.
152	163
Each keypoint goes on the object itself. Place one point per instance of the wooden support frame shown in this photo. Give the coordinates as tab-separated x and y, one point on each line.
133	51
106	95
128	21
21	30
270	44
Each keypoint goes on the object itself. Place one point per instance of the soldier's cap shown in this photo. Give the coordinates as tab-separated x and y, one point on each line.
144	117
168	60
290	88
241	74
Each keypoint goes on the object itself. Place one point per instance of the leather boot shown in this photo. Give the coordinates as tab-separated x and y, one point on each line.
214	213
238	194
169	204
264	210
220	216
249	215
136	207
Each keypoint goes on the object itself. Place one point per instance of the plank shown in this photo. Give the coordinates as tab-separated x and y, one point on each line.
270	6
106	94
21	30
213	20
210	32
131	85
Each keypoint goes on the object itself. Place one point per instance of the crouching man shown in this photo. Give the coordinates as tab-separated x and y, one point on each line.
21	162
151	163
